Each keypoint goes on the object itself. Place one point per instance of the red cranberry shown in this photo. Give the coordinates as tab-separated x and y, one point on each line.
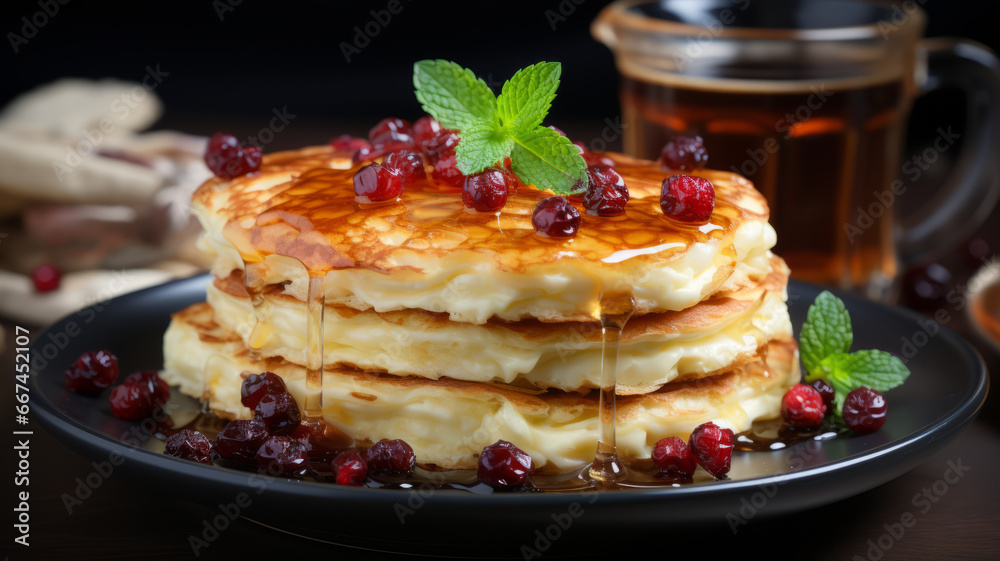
606	194
350	469
803	407
279	413
864	410
593	158
410	164
825	391
392	142
440	146
227	159
556	217
281	455
503	466
132	402
189	445
46	277
672	455
713	448
347	142
425	128
305	436
684	153
92	373
390	457
387	127
687	198
150	380
240	440
377	183
365	154
256	386
485	191
446	171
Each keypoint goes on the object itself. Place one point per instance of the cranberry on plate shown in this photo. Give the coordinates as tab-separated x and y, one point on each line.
864	410
390	457
713	448
349	468
503	466
802	406
190	445
92	373
673	456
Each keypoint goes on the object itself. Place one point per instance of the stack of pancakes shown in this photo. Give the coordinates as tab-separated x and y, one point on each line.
452	330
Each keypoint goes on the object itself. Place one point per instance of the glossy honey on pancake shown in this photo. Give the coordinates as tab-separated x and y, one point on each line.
298	217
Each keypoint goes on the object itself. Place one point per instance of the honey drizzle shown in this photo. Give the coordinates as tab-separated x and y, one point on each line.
607	469
255	282
314	348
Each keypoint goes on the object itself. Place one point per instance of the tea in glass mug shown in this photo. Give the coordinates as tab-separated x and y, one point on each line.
809	99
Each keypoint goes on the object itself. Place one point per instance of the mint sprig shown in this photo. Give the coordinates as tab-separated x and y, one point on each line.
824	345
492	128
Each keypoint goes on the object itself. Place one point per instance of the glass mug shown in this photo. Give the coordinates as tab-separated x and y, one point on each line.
809	99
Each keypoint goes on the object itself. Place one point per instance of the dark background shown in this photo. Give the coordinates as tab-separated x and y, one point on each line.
230	72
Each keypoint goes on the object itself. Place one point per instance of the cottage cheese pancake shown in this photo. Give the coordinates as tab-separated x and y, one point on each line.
655	348
298	217
447	422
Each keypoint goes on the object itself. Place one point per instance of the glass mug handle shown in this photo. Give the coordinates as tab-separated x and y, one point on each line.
971	190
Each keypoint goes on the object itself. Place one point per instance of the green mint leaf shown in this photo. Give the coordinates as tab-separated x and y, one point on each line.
526	98
847	372
548	160
482	144
838	379
876	369
452	94
827	331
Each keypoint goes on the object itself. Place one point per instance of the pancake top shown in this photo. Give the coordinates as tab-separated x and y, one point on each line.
297	218
302	205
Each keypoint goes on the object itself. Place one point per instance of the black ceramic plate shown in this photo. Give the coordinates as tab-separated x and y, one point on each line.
944	393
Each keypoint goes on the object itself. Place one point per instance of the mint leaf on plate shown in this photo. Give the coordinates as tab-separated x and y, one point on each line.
827	330
824	345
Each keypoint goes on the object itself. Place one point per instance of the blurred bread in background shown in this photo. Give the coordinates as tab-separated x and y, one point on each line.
83	188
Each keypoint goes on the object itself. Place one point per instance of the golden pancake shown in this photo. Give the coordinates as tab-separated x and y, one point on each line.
448	421
655	349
